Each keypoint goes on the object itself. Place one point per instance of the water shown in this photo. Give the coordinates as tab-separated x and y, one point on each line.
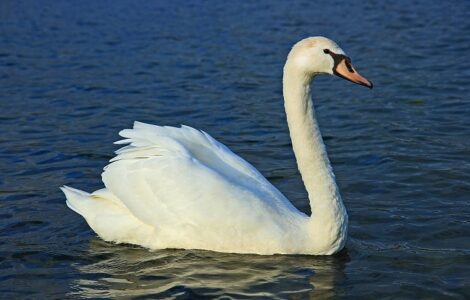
72	74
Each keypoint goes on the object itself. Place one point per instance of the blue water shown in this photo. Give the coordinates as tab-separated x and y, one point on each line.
73	73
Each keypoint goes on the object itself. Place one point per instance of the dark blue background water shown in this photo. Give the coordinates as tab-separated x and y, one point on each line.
73	73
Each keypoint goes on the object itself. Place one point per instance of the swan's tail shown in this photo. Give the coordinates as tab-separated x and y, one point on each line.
76	199
109	218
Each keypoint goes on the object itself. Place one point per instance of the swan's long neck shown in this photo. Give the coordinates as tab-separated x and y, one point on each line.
309	149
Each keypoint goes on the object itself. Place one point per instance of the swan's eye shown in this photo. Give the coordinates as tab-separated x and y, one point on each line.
326	51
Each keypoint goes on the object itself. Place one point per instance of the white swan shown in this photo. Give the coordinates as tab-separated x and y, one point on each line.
180	188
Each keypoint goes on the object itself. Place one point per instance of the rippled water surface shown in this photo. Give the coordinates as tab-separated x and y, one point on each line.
73	73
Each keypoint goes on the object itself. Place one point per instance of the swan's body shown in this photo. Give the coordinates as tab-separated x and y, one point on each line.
180	188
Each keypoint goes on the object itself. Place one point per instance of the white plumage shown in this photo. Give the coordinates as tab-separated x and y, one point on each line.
179	188
185	190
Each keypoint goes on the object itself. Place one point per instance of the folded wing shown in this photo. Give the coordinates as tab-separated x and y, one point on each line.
191	188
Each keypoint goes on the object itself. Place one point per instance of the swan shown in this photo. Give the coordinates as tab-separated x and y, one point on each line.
179	188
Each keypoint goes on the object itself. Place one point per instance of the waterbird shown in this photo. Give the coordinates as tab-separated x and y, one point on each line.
177	187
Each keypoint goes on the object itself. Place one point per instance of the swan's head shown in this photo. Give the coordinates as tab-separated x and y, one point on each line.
319	55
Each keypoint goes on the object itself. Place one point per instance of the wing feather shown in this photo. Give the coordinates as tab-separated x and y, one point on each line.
182	182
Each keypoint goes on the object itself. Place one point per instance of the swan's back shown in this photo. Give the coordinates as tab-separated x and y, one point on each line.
196	193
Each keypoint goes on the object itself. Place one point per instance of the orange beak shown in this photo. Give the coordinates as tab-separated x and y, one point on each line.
343	68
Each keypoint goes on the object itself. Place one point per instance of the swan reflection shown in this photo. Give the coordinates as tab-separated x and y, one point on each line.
127	271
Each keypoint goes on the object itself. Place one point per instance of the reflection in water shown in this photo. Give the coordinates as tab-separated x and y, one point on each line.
128	271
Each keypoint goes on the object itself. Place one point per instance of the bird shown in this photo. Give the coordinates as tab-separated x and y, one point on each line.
179	188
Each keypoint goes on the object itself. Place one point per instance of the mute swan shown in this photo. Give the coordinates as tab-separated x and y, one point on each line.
180	188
